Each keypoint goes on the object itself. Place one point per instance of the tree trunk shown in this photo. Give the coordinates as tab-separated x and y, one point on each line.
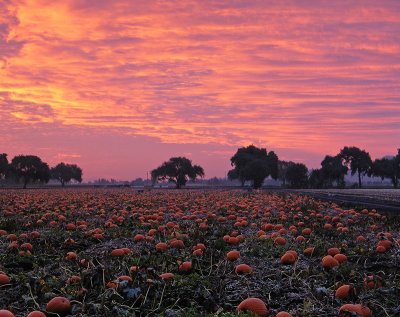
359	179
62	184
25	183
395	182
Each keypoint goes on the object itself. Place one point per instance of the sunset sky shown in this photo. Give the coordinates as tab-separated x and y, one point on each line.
119	86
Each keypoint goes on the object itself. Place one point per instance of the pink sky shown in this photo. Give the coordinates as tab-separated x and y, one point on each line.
118	87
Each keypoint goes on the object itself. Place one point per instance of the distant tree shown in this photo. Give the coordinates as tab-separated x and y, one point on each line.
282	169
333	170
66	172
297	175
388	168
316	179
253	164
358	160
30	168
177	170
3	165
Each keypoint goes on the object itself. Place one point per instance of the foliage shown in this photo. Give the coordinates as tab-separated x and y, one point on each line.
3	165
297	175
66	172
316	179
30	168
333	170
253	164
177	170
388	168
282	170
358	160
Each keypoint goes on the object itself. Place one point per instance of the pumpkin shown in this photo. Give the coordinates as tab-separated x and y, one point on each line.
309	251
117	252
243	269
185	266
161	246
329	261
71	256
283	314
36	313
4	279
340	258
59	305
233	255
280	241
288	258
354	308
254	305
333	251
167	276
344	291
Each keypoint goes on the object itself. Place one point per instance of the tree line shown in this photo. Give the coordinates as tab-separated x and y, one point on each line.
31	169
254	165
250	164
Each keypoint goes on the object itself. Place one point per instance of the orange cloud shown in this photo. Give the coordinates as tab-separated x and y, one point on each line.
309	75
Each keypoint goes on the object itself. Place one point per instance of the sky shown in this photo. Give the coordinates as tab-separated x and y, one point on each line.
118	87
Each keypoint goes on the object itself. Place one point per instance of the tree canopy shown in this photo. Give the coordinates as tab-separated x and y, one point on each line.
297	175
358	160
333	171
388	168
253	164
66	172
30	168
3	165
177	170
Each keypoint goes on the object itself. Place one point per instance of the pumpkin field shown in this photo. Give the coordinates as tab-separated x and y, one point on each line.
119	252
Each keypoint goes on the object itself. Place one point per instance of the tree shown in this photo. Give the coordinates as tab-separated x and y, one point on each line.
358	160
333	170
30	168
3	165
177	170
316	179
66	172
253	164
297	175
282	170
388	168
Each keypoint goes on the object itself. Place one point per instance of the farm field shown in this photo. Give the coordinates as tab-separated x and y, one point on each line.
117	252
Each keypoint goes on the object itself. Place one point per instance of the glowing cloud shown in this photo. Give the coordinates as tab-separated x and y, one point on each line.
303	78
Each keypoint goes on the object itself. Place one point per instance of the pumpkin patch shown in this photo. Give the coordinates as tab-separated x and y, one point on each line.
118	252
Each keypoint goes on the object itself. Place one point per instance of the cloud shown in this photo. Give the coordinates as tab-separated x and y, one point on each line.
302	74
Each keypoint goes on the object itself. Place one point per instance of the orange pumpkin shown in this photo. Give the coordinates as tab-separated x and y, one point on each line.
36	313
283	314
344	291
233	255
329	262
254	305
167	276
4	279
72	256
59	305
333	251
280	241
309	251
340	258
354	308
161	246
185	266
243	269
6	313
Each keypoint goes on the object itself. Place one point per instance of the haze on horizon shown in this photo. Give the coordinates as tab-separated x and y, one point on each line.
118	88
